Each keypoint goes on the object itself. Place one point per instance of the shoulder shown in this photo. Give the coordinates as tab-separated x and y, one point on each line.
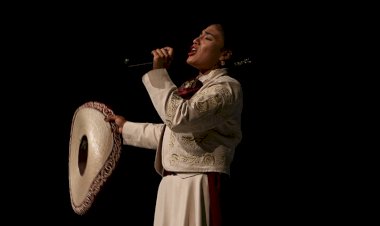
229	83
230	80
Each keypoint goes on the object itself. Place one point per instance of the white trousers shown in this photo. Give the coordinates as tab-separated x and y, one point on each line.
182	200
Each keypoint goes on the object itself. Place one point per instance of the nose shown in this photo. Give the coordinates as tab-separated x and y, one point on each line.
196	40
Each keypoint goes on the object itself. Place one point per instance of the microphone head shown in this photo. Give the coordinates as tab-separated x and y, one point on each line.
126	61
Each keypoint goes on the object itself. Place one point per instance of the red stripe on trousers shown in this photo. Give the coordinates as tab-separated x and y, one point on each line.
215	192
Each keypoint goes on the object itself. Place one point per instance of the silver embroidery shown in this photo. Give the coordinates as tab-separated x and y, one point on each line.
194	153
205	160
222	94
191	142
172	107
172	139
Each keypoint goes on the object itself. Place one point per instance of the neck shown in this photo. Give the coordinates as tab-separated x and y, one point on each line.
205	72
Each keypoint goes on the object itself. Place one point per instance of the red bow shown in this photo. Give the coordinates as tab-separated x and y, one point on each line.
188	88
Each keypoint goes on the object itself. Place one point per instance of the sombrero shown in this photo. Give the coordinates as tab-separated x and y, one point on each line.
94	151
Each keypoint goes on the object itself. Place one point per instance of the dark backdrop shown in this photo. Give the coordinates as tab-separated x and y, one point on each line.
96	72
63	57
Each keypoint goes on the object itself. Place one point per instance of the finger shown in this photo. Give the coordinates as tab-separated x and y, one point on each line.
110	118
169	50
162	53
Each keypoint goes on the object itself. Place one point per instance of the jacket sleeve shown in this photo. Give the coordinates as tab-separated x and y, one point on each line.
144	135
210	106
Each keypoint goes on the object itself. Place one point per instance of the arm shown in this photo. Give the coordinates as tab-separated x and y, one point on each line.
210	106
144	135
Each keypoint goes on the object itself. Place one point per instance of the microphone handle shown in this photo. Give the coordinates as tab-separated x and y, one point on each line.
142	64
126	61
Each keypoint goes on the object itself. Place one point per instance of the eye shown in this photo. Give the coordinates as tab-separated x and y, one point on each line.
209	37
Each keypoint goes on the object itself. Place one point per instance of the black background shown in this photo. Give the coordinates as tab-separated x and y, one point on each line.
65	56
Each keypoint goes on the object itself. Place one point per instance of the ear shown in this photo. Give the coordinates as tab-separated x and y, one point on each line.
226	55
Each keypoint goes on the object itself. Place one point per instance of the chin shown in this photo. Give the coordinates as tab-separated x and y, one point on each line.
189	61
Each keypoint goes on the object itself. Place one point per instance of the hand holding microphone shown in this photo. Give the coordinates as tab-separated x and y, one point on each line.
162	58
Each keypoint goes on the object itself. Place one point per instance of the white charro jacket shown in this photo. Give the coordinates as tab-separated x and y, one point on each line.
199	134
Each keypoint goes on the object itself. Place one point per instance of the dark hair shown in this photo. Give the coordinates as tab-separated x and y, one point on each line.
237	36
239	41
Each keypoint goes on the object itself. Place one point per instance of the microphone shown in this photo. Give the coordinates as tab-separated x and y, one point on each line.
127	61
245	61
